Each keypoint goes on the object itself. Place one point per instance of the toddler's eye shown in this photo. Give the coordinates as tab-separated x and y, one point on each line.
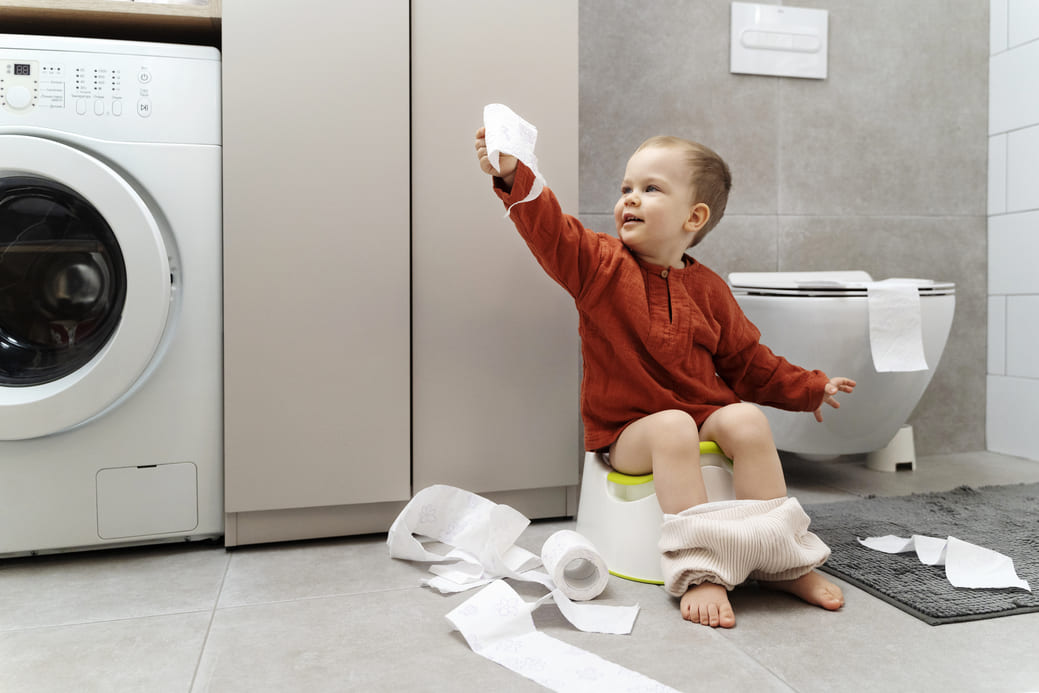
625	190
652	188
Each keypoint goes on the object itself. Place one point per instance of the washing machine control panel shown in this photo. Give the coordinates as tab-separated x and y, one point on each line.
122	97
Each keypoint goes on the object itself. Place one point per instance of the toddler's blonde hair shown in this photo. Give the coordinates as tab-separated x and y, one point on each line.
709	177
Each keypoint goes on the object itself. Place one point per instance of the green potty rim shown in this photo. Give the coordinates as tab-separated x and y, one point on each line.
707	447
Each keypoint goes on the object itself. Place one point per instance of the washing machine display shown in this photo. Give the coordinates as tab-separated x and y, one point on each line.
111	411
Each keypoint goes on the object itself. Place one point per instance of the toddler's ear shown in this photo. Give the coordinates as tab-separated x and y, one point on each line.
699	214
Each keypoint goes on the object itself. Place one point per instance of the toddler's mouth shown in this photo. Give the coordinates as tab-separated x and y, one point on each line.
630	217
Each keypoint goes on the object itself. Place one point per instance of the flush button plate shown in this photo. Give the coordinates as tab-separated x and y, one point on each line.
778	40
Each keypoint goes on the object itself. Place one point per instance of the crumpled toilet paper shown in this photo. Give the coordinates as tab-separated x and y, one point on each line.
507	133
966	565
482	535
496	622
895	326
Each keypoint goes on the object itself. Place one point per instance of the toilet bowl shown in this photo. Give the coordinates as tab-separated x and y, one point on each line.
820	320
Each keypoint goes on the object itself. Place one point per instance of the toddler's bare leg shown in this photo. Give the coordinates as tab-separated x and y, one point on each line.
668	444
744	435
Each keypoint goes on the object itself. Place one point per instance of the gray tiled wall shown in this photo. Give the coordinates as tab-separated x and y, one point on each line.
880	167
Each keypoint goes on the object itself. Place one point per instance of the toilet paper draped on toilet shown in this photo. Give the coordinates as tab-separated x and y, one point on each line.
895	325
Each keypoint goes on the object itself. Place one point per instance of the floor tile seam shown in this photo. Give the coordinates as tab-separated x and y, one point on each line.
761	665
209	624
312	597
100	621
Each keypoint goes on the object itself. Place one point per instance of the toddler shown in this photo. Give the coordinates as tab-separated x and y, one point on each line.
670	360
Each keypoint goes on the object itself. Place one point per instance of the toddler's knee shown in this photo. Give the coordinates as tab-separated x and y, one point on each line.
676	428
747	420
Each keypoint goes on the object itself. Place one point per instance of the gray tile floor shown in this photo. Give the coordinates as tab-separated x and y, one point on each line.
339	615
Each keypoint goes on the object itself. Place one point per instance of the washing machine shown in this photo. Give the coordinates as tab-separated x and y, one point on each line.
110	294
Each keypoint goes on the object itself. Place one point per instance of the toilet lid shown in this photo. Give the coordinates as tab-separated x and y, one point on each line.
824	284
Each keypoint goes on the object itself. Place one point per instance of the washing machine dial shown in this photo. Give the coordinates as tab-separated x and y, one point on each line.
18	97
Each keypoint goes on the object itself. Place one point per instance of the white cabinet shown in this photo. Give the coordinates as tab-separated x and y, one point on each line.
385	327
495	358
316	279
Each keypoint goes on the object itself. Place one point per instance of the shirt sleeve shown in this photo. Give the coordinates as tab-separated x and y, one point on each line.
755	373
564	248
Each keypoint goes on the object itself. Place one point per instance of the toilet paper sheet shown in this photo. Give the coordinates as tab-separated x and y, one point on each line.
496	622
497	625
507	133
895	326
966	565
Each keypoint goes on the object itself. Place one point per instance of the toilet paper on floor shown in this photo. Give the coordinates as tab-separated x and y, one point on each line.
496	622
482	535
895	327
497	625
507	133
966	565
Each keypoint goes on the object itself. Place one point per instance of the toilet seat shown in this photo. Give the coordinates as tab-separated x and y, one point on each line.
821	284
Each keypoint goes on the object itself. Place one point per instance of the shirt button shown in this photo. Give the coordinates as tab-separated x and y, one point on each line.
664	274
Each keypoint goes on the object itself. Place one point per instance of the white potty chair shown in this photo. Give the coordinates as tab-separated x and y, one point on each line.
620	514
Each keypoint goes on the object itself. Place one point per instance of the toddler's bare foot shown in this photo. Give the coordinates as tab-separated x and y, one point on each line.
813	588
708	604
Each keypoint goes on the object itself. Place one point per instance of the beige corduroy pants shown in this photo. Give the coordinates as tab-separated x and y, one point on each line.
728	542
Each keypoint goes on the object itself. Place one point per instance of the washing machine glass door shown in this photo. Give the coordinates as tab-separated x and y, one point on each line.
85	287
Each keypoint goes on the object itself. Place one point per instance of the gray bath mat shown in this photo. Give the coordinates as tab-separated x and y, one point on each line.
1002	518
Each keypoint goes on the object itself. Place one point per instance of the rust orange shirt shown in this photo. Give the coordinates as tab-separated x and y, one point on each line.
652	337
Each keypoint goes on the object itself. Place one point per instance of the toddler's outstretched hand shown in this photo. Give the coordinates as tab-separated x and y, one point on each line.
832	388
507	172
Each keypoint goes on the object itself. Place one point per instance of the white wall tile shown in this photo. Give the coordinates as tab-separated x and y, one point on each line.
1010	427
1013	97
997	174
997	26
997	343
1023	21
1023	169
1013	248
1022	336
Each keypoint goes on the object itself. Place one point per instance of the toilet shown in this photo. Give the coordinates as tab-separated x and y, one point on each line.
820	320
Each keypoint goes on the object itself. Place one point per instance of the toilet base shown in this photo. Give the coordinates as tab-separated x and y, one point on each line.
897	456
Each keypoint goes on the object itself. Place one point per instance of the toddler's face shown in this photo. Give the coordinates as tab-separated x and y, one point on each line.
653	214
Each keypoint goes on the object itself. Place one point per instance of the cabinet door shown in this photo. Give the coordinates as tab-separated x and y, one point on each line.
316	240
495	356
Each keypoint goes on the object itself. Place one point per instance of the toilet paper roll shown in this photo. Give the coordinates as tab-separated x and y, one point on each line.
895	326
507	133
480	534
577	569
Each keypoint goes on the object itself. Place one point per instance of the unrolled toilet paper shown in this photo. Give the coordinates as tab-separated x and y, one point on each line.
507	133
966	565
497	625
496	622
482	537
895	325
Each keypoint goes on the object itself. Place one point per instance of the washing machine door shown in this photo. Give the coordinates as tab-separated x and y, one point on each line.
85	287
